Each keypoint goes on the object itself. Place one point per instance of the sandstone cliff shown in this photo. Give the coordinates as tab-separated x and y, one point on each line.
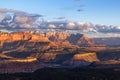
59	38
70	39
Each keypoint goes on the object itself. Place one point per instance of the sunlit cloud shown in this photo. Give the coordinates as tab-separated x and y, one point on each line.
28	21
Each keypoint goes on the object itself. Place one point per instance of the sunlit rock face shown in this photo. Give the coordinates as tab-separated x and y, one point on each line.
89	57
18	39
54	49
58	38
75	39
48	48
16	36
57	35
82	59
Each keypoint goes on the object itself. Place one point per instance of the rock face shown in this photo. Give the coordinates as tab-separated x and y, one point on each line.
82	59
88	57
80	40
27	42
21	36
74	39
52	47
17	36
56	37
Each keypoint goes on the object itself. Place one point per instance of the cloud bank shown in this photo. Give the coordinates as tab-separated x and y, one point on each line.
12	19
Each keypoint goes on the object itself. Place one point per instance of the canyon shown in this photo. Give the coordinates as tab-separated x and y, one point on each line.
28	51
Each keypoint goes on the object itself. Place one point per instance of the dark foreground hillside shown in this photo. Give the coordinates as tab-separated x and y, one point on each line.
65	74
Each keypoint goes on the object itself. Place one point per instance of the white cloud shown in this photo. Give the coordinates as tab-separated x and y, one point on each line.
51	26
27	26
118	27
70	25
2	16
80	23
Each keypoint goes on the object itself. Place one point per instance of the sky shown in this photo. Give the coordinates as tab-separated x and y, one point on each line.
96	11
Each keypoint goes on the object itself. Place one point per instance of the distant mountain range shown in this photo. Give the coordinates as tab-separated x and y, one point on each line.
110	41
33	50
55	38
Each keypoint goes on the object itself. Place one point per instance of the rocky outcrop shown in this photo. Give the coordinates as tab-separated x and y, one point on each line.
82	59
17	36
55	48
80	40
75	39
57	36
21	37
73	60
85	41
56	39
50	48
89	57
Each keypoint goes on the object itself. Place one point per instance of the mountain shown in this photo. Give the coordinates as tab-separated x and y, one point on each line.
40	49
75	39
55	36
34	49
110	41
43	42
81	40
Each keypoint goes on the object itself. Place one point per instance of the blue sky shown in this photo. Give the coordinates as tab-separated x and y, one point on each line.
96	11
